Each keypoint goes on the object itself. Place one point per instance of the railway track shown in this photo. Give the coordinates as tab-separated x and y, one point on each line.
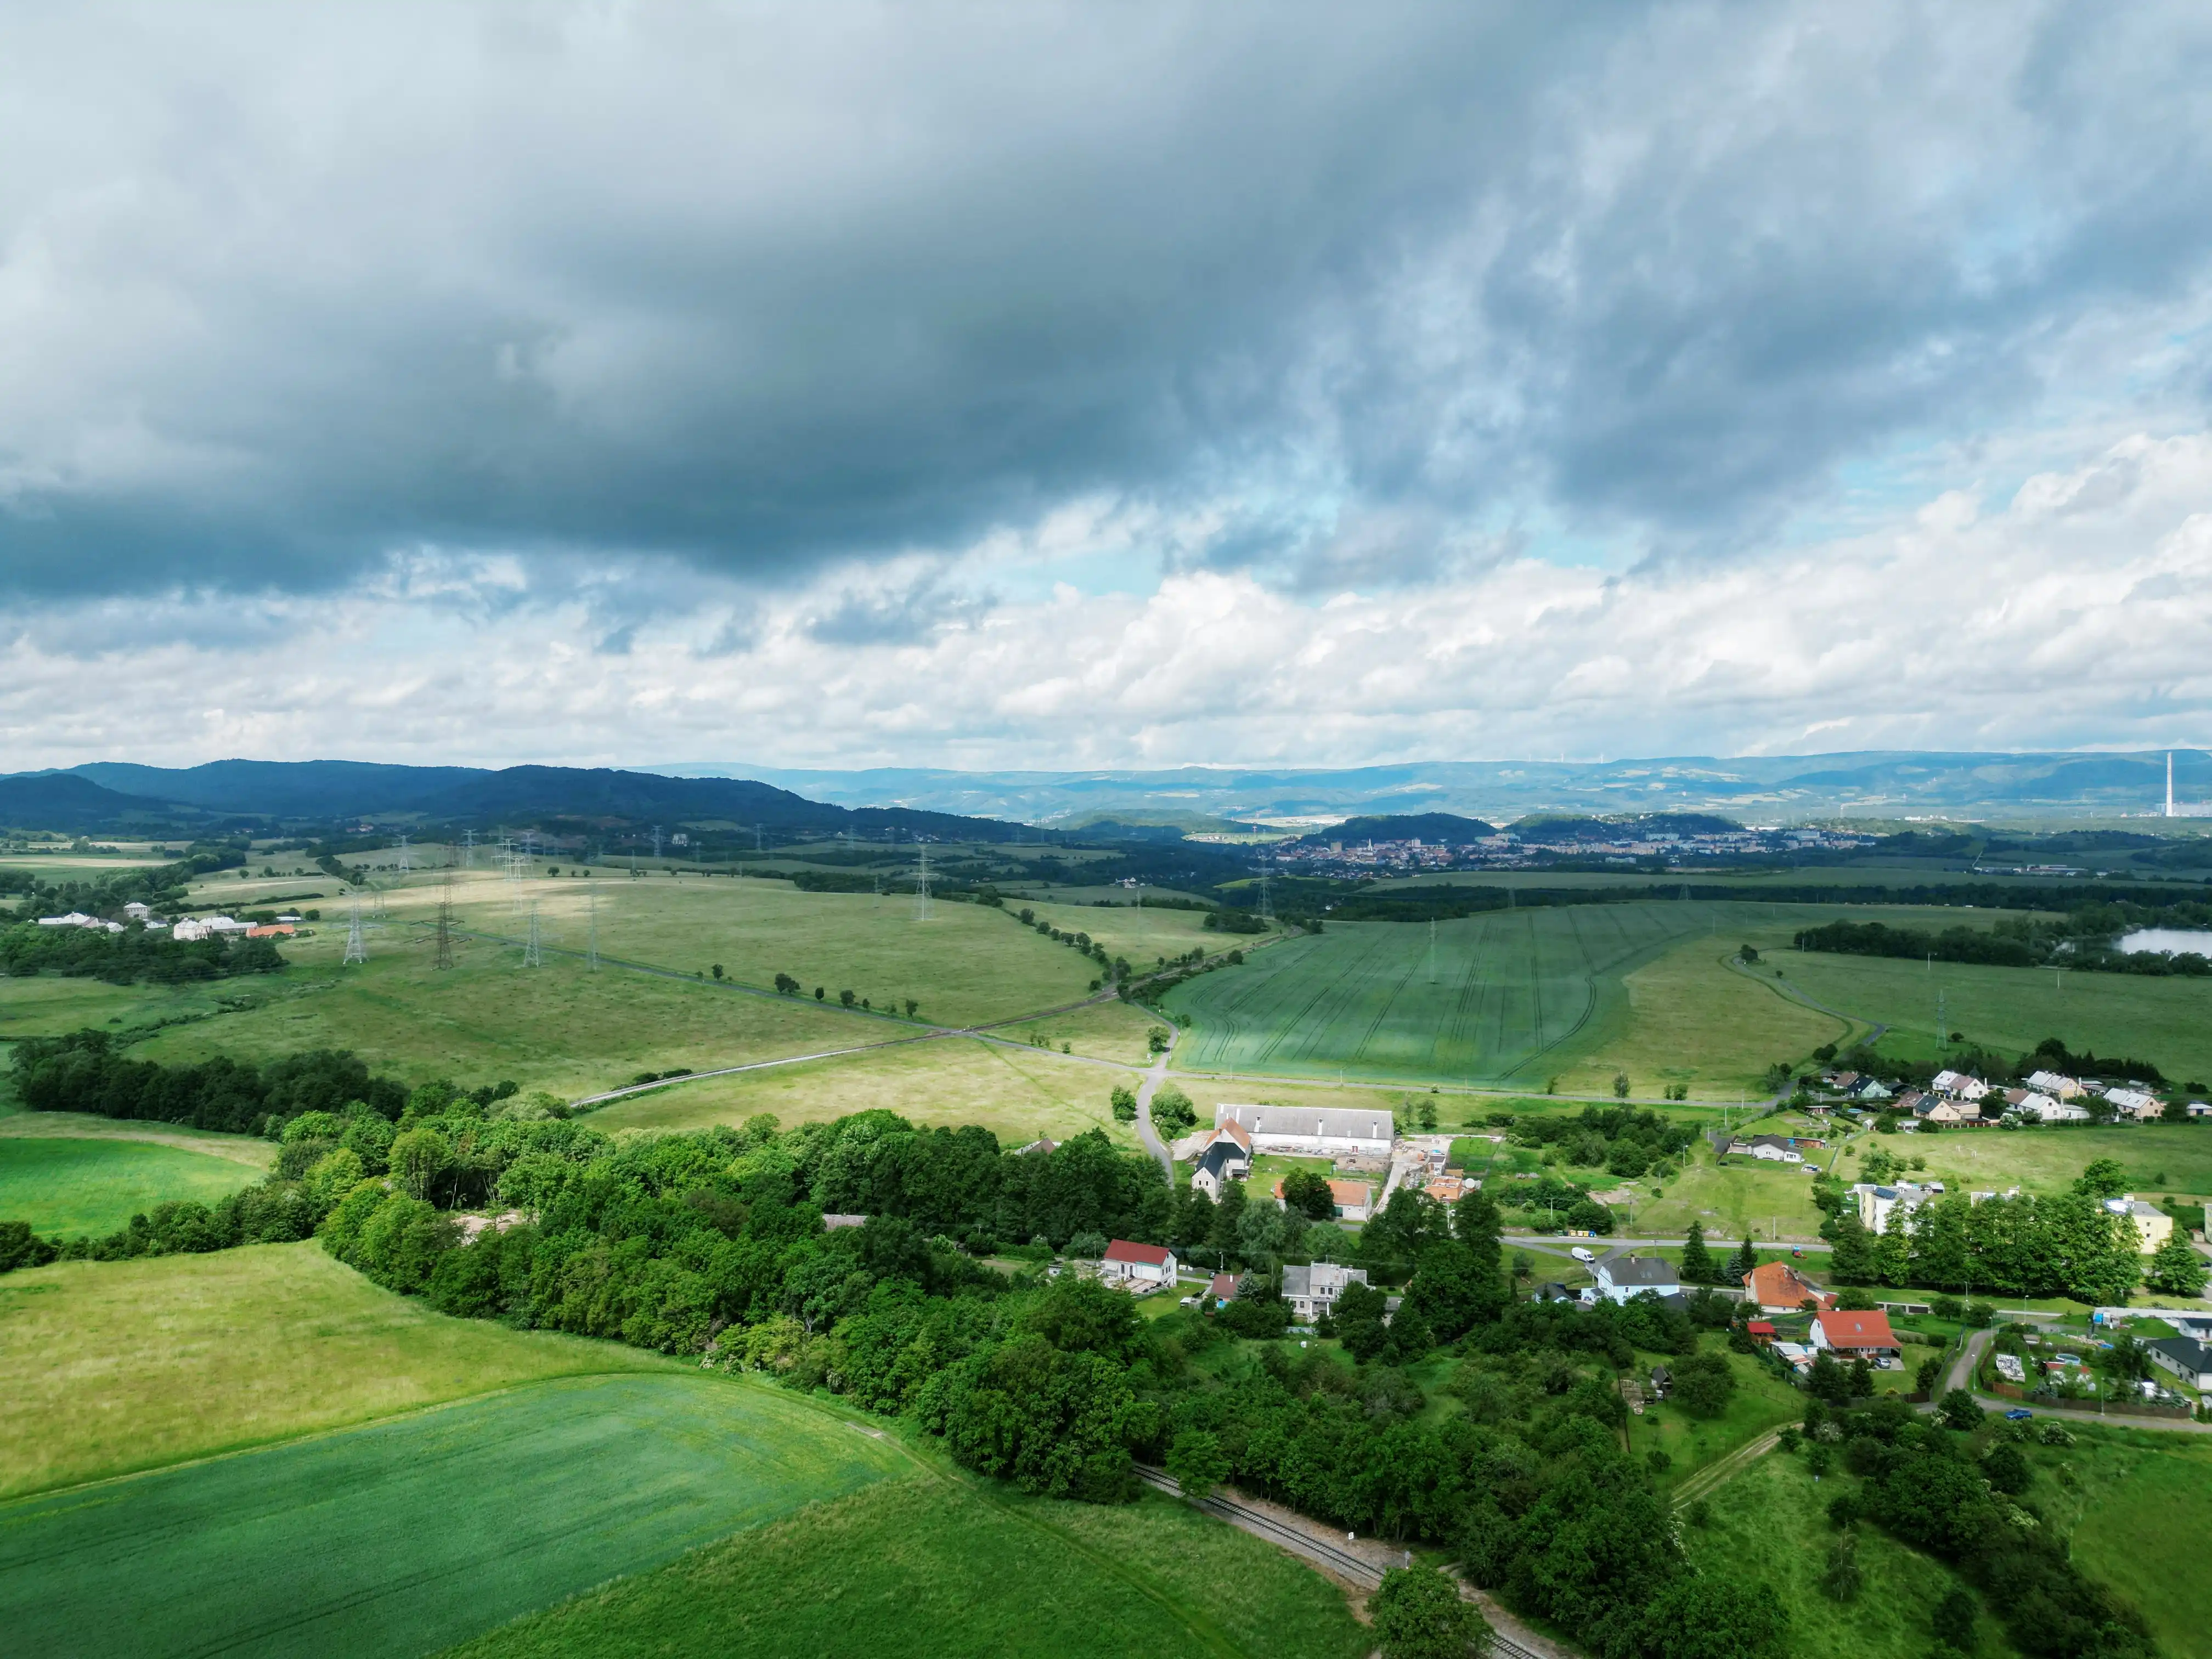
1343	1563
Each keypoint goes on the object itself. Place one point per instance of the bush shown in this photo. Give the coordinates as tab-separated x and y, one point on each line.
1419	1614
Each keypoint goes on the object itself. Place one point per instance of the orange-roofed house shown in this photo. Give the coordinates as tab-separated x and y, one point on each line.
1777	1287
1856	1335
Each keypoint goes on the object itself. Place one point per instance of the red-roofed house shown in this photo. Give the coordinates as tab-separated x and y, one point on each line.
1354	1200
1140	1267
1777	1287
1855	1333
1761	1331
1223	1289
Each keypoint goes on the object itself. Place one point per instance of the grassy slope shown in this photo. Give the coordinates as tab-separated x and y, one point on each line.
2167	1022
555	1027
925	1568
115	1366
249	1150
49	1005
1760	1403
85	1185
1107	1031
1018	1094
2139	1513
403	1536
1144	936
1770	1526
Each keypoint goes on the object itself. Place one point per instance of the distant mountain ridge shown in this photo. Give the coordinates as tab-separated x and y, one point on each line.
1758	789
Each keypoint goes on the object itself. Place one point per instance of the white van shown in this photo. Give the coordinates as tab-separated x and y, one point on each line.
1581	1254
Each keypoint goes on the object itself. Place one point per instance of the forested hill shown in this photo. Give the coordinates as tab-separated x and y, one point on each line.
1446	829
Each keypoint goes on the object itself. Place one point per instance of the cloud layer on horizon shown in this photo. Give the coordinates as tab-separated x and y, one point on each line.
2074	613
1045	384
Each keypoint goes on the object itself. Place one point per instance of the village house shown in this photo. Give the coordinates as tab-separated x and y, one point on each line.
1960	1086
2135	1104
1313	1290
1354	1200
1138	1266
1623	1274
1777	1287
1944	1109
1221	1290
2050	1082
2154	1226
1856	1335
2186	1357
1771	1149
1226	1156
1877	1202
1310	1133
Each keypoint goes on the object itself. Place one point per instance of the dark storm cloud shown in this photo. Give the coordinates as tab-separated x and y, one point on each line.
282	291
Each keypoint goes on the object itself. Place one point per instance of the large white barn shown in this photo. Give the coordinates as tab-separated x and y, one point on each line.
1311	1133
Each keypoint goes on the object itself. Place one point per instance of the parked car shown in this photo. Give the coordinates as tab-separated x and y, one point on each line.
2018	1414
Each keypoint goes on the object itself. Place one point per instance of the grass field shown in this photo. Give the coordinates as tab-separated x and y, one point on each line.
1142	935
1760	1403
403	1537
249	1150
1512	997
2139	1509
48	1005
2167	1022
2159	1158
1018	1094
1106	1031
921	1569
557	1027
113	1366
81	1184
1770	1526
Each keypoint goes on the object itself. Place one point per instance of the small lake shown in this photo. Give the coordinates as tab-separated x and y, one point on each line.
2170	940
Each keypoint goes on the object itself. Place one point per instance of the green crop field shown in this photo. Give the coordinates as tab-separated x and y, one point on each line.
923	1569
80	1184
113	1366
1018	1094
2167	1022
405	1537
1512	997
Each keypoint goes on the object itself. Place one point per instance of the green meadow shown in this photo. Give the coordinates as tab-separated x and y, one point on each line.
79	1184
2137	1508
940	1569
1504	998
405	1537
2167	1022
116	1366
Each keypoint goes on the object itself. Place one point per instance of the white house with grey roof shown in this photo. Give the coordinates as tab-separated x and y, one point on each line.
1313	1290
1624	1275
1311	1133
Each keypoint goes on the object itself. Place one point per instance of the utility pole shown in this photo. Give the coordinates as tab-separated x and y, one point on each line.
443	956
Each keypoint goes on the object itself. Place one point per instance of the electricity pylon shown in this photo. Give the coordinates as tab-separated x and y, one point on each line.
356	950
533	956
591	944
442	955
921	887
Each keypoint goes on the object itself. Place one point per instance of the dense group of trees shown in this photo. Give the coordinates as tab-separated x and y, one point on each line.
1622	1141
1957	1486
2080	939
83	1072
2067	1244
131	955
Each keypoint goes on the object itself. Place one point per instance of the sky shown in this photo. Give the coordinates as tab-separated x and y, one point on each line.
1067	387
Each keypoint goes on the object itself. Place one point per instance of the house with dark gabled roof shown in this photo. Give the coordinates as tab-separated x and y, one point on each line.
1624	1275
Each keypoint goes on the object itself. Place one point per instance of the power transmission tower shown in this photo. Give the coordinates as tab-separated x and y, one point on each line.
1432	951
759	845
591	944
532	956
1267	887
469	848
656	840
355	950
1942	1023
443	954
406	854
921	887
